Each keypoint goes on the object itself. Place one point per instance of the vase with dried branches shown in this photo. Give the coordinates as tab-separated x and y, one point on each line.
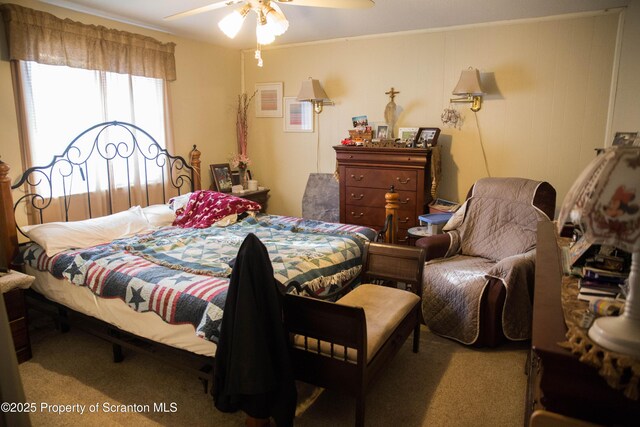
241	159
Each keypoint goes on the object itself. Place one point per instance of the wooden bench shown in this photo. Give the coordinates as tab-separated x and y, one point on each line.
343	345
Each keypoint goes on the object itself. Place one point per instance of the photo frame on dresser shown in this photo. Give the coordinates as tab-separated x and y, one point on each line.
426	137
222	179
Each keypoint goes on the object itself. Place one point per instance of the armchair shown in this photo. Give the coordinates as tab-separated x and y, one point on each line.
478	281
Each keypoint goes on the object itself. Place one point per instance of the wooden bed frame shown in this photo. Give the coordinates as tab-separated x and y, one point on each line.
186	174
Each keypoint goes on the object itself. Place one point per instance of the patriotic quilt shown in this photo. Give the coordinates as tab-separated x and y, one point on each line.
182	274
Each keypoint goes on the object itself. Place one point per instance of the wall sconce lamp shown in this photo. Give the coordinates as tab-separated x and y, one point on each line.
469	86
311	91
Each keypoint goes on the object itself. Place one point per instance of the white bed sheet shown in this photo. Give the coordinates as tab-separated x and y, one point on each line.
114	311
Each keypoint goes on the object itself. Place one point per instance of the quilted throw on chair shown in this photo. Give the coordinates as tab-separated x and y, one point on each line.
493	235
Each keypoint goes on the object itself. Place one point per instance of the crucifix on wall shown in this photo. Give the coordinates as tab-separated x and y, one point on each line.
390	112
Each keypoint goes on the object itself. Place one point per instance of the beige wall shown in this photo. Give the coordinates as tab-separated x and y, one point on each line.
626	112
202	98
542	119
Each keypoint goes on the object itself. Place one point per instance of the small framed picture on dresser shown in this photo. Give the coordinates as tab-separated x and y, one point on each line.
221	177
426	137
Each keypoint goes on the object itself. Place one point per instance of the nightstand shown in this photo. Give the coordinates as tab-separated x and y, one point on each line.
258	196
12	285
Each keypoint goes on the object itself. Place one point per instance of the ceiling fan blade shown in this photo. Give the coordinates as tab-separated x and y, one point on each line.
339	4
202	9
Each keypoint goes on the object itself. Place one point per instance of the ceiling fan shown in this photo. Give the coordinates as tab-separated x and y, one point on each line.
271	22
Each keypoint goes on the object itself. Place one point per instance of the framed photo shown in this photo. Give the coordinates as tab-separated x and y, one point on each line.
407	135
269	99
382	131
360	121
624	138
298	115
221	177
235	176
426	137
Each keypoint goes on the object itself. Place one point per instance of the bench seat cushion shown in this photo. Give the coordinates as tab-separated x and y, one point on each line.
384	309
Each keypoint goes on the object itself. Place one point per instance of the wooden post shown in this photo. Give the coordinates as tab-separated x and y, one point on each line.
8	232
391	208
194	160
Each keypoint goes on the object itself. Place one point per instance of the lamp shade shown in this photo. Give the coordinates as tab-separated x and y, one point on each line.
312	91
469	83
231	24
276	20
605	200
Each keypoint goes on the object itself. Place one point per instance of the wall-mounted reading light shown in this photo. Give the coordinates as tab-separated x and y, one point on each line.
311	91
469	86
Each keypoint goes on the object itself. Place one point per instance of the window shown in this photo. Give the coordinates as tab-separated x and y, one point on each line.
61	102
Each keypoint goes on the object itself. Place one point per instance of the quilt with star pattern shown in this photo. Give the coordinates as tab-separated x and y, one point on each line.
182	274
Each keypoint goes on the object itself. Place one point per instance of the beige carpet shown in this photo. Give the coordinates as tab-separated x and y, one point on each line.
445	384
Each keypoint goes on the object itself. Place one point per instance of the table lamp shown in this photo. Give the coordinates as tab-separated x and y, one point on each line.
605	202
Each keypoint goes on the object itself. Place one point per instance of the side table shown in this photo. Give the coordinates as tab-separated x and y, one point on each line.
415	233
258	196
13	285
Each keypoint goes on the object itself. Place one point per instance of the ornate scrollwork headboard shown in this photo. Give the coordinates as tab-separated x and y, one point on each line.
108	167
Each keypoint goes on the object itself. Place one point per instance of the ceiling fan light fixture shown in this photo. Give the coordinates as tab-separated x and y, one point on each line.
231	24
275	19
264	35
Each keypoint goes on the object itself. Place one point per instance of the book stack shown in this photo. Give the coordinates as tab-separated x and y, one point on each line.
601	283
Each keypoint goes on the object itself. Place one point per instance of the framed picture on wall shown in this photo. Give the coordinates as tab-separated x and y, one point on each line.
222	181
298	115
269	99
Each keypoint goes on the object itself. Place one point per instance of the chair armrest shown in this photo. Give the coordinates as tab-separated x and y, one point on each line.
435	246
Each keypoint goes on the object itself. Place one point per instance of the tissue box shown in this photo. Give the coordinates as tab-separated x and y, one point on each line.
434	222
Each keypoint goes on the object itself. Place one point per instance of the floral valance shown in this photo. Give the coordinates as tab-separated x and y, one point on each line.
39	36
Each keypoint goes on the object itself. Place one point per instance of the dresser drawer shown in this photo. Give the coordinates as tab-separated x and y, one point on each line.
381	178
372	216
360	196
14	302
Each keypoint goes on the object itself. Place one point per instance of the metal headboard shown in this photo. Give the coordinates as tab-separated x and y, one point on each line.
115	146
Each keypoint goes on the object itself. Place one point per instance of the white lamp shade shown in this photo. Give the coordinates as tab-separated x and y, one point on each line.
605	199
469	83
276	20
312	91
231	24
264	34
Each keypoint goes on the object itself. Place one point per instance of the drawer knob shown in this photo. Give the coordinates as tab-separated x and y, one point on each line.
405	201
404	221
351	156
357	178
353	196
361	214
401	181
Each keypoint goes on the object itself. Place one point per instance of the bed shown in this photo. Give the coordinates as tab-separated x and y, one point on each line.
133	271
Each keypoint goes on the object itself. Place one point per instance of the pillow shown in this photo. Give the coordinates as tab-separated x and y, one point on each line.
159	215
179	202
55	237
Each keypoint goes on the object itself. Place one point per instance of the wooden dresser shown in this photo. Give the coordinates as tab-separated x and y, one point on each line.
367	173
558	381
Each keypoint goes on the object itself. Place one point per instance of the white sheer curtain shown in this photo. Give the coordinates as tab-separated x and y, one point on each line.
60	102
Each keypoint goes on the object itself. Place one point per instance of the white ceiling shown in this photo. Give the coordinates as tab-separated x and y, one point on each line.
315	23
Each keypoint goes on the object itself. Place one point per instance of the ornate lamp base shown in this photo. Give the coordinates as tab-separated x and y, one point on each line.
622	334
